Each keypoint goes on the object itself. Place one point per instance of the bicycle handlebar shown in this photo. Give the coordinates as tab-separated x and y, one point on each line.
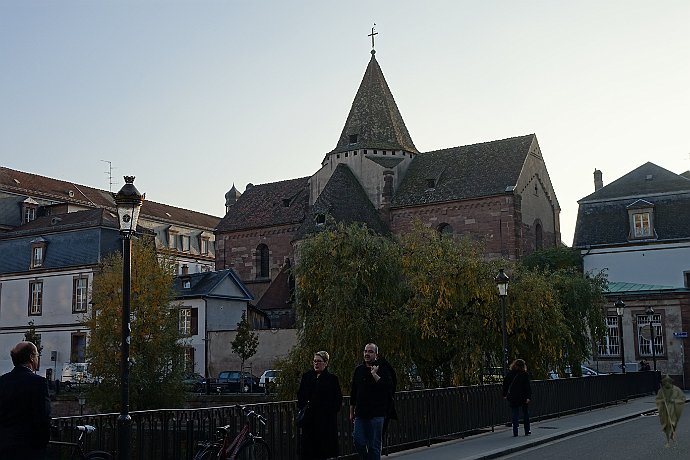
248	413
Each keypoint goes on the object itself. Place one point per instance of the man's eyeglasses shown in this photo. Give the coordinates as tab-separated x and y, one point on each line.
318	361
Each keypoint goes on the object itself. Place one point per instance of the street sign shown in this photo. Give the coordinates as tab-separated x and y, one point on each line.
680	334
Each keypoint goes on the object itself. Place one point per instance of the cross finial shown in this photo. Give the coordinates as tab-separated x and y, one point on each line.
372	34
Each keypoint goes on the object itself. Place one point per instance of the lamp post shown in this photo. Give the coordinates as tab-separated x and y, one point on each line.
128	201
649	311
620	307
502	281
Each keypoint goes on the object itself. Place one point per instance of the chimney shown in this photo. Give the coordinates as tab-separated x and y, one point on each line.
598	181
185	270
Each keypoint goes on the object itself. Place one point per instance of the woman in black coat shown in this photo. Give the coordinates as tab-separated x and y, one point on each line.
320	392
518	391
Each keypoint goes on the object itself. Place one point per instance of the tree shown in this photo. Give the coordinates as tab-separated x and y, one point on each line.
349	291
155	349
32	336
245	342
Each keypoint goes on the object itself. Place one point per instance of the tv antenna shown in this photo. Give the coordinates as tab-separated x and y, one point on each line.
109	172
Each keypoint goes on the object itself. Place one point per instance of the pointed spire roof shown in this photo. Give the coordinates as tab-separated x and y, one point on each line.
374	121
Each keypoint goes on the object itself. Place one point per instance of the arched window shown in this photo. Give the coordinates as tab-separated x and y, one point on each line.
445	229
539	237
262	261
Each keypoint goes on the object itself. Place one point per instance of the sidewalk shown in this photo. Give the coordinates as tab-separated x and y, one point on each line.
501	441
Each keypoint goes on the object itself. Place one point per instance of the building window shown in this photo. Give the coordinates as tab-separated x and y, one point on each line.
686	277
445	229
188	321
641	216
35	298
38	252
188	360
204	245
80	289
641	225
172	240
29	213
610	344
262	259
644	335
185	242
320	219
77	351
353	138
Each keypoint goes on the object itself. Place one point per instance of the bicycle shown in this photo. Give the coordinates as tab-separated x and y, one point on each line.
78	447
245	446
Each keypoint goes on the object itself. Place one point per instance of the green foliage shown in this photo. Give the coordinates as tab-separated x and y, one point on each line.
552	259
155	348
350	291
430	302
33	337
246	341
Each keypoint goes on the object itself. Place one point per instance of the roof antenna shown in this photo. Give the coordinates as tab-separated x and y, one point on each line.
372	34
109	172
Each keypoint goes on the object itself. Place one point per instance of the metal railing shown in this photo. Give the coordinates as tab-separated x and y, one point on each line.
424	417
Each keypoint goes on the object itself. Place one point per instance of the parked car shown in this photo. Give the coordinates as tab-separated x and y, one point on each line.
232	382
269	376
586	372
193	382
75	374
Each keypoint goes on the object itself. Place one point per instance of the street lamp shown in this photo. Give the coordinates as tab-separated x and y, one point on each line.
620	307
650	314
128	201
502	281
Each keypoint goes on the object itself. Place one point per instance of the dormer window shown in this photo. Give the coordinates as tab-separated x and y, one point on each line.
186	284
430	183
641	220
29	207
185	242
38	252
353	138
172	239
320	219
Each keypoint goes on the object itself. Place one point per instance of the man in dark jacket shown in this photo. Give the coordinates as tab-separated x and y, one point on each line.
369	402
24	407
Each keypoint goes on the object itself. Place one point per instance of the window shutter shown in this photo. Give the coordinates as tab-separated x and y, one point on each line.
195	321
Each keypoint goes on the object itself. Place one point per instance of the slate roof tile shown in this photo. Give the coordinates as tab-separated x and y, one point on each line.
469	171
277	203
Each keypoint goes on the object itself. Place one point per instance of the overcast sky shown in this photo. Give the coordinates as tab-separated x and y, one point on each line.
193	96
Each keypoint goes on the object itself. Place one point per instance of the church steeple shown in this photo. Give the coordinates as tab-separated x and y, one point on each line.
374	121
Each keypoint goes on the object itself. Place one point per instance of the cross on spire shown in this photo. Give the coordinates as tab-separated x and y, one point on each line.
372	34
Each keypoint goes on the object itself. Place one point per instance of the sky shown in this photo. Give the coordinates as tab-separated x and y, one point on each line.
192	97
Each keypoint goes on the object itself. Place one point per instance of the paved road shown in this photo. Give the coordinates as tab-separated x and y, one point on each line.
640	438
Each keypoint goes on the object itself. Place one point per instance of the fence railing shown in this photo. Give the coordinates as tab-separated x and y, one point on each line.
424	416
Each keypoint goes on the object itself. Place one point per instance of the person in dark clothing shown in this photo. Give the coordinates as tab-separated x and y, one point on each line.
369	404
518	392
24	407
319	391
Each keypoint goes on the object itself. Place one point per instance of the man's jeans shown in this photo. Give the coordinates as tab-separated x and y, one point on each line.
367	437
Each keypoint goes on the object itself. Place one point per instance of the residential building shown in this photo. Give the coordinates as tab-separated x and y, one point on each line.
635	230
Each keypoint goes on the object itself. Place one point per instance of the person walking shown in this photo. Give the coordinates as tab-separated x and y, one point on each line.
319	392
369	403
518	392
670	400
24	407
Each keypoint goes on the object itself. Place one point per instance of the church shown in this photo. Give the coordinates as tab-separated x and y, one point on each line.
498	193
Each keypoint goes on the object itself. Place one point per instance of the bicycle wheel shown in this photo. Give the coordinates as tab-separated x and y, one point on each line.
98	455
254	449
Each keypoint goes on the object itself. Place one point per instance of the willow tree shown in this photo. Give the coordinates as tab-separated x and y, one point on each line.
155	350
349	291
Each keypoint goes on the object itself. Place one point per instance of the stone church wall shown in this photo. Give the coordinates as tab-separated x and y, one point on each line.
491	221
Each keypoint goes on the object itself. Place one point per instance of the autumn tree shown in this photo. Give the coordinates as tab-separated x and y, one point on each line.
155	350
245	343
350	291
